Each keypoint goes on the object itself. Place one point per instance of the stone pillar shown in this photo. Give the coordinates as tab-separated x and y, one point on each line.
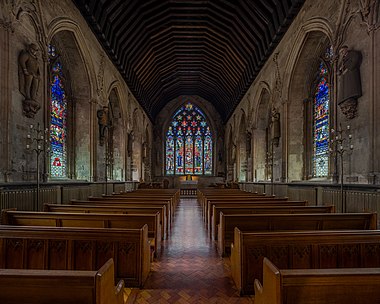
5	99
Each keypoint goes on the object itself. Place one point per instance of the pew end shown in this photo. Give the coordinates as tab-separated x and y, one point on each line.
306	286
36	286
107	290
271	282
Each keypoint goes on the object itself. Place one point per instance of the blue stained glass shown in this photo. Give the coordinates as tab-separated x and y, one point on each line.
170	151
189	142
58	117
321	125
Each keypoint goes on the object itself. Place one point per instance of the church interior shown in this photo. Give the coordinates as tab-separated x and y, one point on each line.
189	151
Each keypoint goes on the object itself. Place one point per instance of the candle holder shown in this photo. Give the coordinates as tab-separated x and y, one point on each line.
38	142
339	145
269	164
109	162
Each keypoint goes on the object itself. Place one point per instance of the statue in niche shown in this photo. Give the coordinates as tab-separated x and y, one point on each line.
104	123
349	84
276	127
29	79
248	143
233	153
130	144
369	11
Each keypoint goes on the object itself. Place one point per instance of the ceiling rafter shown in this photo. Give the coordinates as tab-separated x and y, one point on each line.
168	48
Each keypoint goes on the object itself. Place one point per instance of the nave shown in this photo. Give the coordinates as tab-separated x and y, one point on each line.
189	269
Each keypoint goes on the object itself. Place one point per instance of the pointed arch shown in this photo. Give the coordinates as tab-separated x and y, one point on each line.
261	140
242	157
64	24
302	64
78	83
117	136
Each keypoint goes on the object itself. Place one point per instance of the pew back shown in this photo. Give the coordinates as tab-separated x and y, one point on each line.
60	286
261	209
114	210
308	286
127	203
282	222
301	250
57	248
92	220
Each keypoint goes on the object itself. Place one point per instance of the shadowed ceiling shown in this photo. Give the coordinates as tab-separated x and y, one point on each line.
167	48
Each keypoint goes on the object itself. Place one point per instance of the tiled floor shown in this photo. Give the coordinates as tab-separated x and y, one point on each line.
189	269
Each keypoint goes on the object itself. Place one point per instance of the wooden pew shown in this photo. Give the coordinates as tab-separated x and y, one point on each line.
247	204
139	209
279	222
92	220
262	201
61	286
307	286
149	194
128	204
261	209
114	200
58	248
175	193
205	202
301	250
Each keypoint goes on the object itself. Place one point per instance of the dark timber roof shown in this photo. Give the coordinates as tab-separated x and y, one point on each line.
167	48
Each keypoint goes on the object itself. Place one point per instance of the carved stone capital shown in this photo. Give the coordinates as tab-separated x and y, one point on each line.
30	107
349	107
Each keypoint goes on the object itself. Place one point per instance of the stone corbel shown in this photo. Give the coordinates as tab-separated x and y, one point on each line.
369	12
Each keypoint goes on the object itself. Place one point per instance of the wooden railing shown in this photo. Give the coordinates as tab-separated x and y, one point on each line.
356	198
23	197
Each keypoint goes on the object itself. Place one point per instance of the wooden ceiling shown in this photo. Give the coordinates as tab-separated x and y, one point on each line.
167	48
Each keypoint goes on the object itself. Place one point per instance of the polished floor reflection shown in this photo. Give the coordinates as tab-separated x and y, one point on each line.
189	269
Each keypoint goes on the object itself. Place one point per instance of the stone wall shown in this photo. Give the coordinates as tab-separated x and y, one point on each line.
288	79
92	81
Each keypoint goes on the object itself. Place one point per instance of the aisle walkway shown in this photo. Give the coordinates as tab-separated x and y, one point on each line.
189	270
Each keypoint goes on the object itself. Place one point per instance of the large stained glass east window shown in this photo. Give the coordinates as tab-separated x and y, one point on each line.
189	143
321	124
58	117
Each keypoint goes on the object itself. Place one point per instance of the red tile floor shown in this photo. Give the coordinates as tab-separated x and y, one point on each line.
189	269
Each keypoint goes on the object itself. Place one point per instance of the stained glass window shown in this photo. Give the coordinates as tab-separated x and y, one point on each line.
58	117
321	124
189	143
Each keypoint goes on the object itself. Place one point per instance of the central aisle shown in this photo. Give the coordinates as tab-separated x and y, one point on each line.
189	269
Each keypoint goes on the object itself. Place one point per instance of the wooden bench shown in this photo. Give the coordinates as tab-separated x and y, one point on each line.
61	286
133	209
246	204
261	209
205	203
241	202
175	193
279	222
92	220
144	196
307	286
57	248
302	250
125	201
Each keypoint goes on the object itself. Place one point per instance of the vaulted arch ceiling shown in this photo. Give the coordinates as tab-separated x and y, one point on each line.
210	48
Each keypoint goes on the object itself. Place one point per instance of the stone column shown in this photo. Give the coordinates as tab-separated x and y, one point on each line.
5	99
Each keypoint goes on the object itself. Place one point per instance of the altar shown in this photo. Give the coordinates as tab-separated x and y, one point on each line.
188	187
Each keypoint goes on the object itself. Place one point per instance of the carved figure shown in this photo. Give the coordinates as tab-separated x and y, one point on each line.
369	10
276	127
233	153
104	123
248	143
349	85
29	79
